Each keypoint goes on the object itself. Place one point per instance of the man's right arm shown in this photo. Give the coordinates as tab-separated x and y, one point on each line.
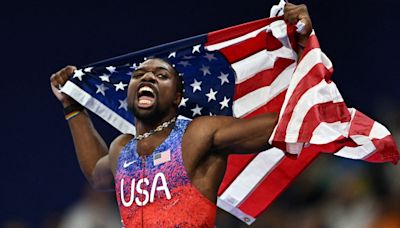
91	150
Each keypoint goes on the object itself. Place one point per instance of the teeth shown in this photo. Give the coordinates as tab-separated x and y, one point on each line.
146	102
145	88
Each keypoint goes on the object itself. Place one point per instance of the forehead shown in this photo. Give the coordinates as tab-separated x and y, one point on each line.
155	64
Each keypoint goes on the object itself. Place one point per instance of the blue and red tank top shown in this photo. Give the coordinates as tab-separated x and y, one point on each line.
155	190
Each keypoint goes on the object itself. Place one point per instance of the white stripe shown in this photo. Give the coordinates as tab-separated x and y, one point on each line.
320	93
312	58
236	40
262	96
235	211
378	131
260	61
99	108
365	149
329	132
251	176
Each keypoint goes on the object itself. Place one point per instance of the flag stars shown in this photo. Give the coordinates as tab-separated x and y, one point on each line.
188	57
101	89
196	110
78	74
205	70
120	86
224	103
211	95
224	78
111	69
172	55
105	78
183	102
184	63
210	57
133	66
196	48
123	104
88	69
196	86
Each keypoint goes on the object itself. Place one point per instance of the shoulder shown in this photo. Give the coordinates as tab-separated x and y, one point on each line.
210	123
118	143
205	126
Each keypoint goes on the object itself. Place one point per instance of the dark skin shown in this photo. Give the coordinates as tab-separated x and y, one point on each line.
216	137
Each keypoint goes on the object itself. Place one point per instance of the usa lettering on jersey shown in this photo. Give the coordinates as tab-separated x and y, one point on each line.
147	197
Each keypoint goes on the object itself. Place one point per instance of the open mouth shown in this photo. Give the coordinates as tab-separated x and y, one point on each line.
146	97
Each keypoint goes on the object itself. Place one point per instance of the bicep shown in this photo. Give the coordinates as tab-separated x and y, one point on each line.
243	135
102	177
103	174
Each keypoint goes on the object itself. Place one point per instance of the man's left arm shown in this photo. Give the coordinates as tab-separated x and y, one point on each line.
228	135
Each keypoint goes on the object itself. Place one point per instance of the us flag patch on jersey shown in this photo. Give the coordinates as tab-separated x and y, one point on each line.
162	157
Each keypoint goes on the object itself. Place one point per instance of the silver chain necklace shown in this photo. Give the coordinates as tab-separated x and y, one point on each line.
157	129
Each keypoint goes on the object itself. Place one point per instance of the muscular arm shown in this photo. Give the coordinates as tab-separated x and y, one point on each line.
229	135
91	150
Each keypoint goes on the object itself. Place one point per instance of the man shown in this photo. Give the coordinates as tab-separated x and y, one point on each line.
167	175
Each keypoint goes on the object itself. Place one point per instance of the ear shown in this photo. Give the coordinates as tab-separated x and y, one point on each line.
178	97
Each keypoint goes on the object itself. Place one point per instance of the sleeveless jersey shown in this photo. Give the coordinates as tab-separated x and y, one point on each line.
155	190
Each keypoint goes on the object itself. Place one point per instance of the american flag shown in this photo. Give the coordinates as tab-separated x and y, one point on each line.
243	71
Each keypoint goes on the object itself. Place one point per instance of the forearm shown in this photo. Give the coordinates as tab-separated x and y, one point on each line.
89	145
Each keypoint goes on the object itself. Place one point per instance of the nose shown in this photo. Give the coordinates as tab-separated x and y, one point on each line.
149	77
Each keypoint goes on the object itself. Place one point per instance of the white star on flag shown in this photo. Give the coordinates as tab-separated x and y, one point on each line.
188	57
196	85
184	63
101	89
123	104
196	110
172	54
78	74
134	66
224	78
88	69
111	69
211	95
205	70
210	57
183	102
105	78
196	48
120	86
224	103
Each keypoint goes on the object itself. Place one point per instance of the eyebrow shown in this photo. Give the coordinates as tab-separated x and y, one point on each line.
157	68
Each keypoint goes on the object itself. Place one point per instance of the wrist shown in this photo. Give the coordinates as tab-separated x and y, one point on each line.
72	110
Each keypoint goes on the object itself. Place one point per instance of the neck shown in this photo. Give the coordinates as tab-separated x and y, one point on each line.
146	125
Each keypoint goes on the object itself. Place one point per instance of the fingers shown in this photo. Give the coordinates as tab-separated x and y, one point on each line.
294	14
59	78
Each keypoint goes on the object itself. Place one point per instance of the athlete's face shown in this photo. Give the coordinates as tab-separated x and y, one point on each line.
152	91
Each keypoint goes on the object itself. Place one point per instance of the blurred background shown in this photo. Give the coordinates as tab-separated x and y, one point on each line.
42	185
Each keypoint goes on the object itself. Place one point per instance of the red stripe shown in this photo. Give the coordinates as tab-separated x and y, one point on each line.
238	30
386	151
262	79
310	80
311	44
248	47
361	124
238	162
275	183
328	112
272	106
